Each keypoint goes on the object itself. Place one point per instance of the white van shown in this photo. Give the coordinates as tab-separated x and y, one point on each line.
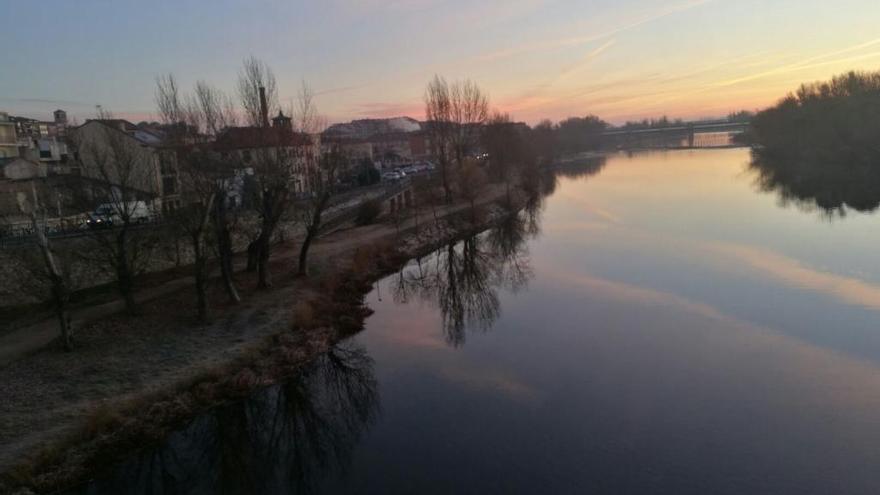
108	214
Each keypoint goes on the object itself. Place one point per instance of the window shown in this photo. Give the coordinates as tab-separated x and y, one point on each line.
246	156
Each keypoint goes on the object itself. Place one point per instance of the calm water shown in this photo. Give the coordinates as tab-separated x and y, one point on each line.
659	327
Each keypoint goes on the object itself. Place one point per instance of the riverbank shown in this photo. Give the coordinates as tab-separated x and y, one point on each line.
131	381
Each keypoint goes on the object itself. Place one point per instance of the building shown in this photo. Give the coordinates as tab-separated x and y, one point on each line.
392	150
8	137
254	147
127	156
392	142
356	151
35	140
60	117
367	128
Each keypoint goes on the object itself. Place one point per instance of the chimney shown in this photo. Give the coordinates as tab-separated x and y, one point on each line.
264	108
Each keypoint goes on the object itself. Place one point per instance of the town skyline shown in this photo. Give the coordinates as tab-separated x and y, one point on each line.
371	59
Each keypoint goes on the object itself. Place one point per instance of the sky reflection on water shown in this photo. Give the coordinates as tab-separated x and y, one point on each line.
682	333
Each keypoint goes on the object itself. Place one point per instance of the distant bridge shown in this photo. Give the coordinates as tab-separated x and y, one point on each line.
701	127
675	136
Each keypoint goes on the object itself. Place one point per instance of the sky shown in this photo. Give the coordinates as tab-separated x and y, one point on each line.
618	59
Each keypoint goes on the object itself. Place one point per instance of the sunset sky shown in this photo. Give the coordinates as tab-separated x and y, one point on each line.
619	59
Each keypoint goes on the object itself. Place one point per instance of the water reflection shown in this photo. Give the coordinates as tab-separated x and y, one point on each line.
704	340
287	439
832	185
463	278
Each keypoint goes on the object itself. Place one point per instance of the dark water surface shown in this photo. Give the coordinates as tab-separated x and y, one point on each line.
660	327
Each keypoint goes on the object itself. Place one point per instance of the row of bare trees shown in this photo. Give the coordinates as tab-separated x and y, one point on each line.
279	157
455	113
120	175
459	123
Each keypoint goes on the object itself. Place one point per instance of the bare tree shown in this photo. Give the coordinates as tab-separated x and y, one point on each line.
506	149
126	179
46	272
191	122
438	113
215	112
254	75
469	110
455	112
273	160
322	181
321	173
306	118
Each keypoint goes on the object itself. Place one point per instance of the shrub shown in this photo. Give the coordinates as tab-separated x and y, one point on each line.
368	212
304	315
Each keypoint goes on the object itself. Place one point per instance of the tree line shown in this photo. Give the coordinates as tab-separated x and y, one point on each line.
821	144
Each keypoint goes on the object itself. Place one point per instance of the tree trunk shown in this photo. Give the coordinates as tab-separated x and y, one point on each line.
224	248
447	191
263	245
253	252
59	301
60	294
126	289
200	251
311	233
226	270
304	254
63	316
273	207
124	277
201	287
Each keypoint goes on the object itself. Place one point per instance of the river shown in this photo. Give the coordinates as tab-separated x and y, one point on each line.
658	325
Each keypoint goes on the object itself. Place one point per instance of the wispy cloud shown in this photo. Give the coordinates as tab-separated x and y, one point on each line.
808	63
541	46
533	96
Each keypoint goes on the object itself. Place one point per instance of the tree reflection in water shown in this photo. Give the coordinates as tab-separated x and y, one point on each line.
463	278
286	439
831	185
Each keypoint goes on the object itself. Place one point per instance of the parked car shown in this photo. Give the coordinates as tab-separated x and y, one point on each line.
392	175
108	214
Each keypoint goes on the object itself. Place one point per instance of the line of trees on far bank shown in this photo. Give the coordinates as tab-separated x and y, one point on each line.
820	146
835	120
